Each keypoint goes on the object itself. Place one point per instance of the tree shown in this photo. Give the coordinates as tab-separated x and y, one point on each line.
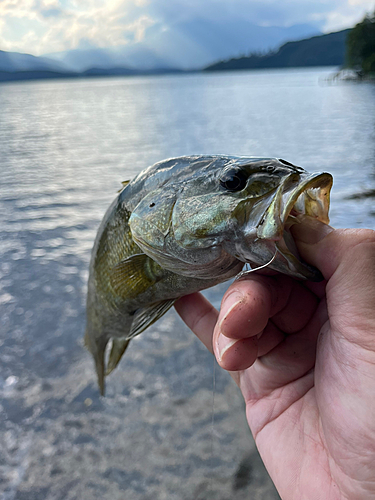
360	45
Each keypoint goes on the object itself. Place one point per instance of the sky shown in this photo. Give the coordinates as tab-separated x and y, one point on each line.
45	26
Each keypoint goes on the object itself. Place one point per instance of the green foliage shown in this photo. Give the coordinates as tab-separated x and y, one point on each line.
322	50
360	45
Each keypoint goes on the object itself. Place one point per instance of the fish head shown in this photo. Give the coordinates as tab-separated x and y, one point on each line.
264	222
225	210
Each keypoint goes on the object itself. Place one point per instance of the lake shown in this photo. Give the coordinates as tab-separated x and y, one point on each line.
65	147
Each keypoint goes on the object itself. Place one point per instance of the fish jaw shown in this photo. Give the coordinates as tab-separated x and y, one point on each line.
297	197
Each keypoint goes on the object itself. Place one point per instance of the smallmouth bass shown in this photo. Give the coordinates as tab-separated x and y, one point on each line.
186	224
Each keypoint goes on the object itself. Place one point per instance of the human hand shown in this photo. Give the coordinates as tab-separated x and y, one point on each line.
303	355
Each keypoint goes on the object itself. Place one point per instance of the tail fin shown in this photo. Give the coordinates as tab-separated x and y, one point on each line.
119	346
97	348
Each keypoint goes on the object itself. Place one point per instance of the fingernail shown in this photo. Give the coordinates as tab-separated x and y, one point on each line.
228	303
223	344
310	230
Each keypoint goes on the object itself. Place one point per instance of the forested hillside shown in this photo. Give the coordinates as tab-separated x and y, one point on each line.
323	50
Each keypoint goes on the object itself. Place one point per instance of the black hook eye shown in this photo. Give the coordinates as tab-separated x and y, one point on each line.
234	180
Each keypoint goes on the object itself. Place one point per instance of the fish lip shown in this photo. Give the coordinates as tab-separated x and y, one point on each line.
290	204
316	204
286	198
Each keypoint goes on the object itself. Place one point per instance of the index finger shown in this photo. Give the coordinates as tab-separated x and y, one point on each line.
199	315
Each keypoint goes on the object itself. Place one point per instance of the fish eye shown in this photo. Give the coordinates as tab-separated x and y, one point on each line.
234	180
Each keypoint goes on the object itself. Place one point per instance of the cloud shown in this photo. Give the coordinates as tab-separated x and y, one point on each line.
61	25
47	13
262	12
347	14
327	13
47	8
43	26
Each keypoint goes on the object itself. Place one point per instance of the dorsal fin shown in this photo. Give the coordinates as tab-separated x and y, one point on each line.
124	184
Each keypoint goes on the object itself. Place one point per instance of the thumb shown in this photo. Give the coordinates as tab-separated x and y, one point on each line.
328	249
346	258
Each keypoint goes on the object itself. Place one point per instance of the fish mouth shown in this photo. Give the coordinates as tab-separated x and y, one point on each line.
297	197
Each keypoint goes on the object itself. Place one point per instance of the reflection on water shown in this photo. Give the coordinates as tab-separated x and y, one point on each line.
65	147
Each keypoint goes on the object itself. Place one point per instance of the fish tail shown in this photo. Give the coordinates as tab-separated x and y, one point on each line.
97	348
100	368
86	340
118	348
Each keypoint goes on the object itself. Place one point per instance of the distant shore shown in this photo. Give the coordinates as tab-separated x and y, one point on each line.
317	51
343	74
12	76
351	75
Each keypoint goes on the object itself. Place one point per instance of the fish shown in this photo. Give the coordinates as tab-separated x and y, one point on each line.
186	224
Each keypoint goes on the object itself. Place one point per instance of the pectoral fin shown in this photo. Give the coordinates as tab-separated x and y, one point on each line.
146	316
135	275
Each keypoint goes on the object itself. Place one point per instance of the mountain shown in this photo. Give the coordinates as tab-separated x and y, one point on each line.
323	50
11	76
186	45
316	51
137	58
15	61
26	67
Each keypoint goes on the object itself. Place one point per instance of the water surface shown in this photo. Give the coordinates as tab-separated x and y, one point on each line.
65	147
